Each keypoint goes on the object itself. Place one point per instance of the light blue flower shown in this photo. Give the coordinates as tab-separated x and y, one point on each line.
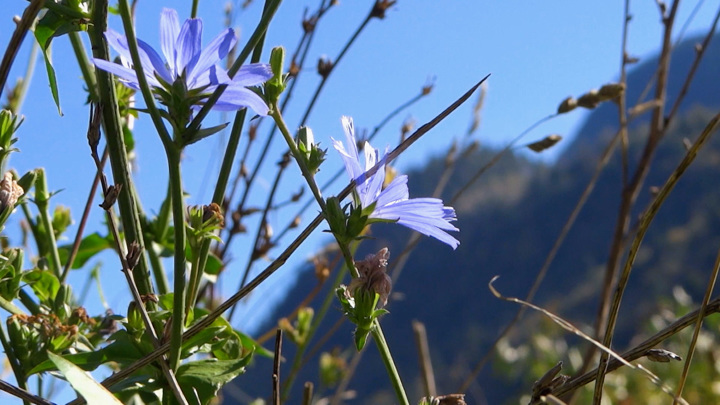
188	64
426	215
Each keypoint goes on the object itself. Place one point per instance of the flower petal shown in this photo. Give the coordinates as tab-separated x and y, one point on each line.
169	32
253	74
188	46
213	53
127	75
155	61
235	98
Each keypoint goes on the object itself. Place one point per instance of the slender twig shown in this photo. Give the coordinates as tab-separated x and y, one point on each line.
641	349
307	393
572	328
698	324
23	394
426	368
83	220
629	196
276	367
22	28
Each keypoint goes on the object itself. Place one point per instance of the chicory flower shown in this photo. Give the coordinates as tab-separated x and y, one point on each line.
188	71
426	215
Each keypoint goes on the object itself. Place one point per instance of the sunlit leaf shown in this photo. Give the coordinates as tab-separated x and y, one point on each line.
91	390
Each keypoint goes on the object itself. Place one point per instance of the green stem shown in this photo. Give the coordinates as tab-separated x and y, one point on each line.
10	307
382	346
85	67
42	198
193	13
178	211
158	271
116	146
299	158
13	360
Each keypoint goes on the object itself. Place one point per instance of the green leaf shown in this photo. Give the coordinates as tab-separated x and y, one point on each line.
202	133
94	393
89	247
204	378
44	284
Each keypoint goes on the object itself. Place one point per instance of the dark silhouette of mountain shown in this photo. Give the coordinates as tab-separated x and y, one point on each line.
509	221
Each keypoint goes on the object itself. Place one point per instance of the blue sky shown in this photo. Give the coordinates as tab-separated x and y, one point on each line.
538	52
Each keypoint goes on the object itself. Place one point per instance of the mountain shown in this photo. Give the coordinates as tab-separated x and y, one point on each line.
509	221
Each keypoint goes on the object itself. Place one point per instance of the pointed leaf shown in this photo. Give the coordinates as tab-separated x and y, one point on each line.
91	390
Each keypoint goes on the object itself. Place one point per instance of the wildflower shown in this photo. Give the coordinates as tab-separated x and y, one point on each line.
189	72
426	215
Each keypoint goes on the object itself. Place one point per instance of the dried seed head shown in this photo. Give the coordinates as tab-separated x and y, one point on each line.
373	276
214	212
611	91
545	143
324	66
133	255
380	7
589	100
662	356
111	196
294	69
10	191
567	105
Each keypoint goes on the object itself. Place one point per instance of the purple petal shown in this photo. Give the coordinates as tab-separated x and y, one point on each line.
154	61
235	98
188	46
169	32
396	191
213	53
211	77
253	74
128	75
118	43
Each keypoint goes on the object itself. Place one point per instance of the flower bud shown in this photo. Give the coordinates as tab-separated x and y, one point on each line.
545	143
589	100
567	105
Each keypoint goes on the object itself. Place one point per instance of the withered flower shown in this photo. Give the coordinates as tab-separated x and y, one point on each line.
373	276
10	191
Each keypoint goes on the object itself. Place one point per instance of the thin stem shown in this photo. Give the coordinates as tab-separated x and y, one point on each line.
698	325
127	205
42	198
193	13
629	196
384	349
86	68
12	359
179	290
299	158
16	39
21	91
